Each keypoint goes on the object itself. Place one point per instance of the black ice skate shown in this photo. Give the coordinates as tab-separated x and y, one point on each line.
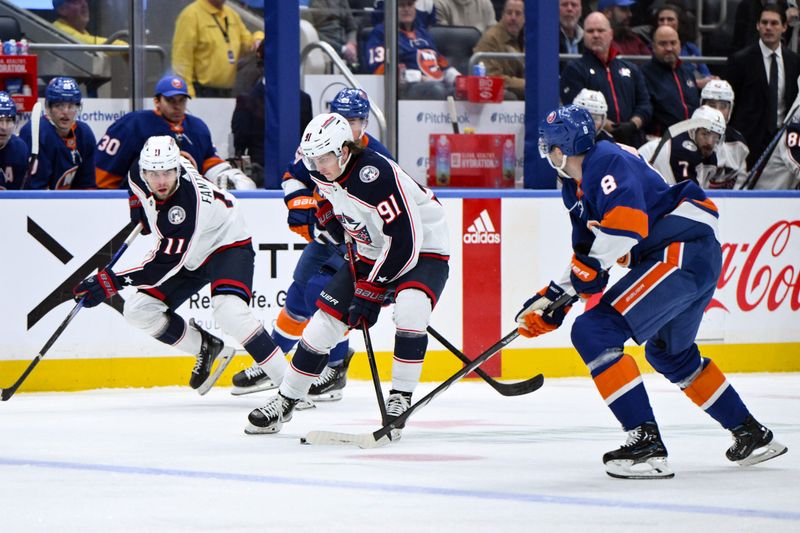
397	403
328	386
211	349
270	418
753	444
643	456
252	379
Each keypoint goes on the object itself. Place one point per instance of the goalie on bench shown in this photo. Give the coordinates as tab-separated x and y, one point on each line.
202	239
667	235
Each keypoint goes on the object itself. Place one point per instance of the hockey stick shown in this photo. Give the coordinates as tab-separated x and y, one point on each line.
755	173
382	436
9	392
506	389
675	130
451	107
373	366
36	115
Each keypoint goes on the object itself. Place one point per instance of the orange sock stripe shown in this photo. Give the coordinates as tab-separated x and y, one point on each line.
707	387
618	379
288	326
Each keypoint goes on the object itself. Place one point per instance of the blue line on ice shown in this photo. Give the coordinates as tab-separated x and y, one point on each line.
406	489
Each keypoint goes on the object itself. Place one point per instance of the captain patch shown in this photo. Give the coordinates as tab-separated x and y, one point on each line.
176	215
369	174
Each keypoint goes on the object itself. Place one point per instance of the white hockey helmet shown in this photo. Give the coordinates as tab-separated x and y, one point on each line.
327	132
713	118
593	101
159	153
718	90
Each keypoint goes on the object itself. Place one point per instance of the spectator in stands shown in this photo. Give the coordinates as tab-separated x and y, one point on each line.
209	38
672	16
13	150
73	19
66	144
426	13
621	82
764	79
476	13
507	36
569	16
670	81
336	26
424	73
618	13
119	148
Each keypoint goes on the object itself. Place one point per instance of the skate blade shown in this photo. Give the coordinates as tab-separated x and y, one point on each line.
304	405
266	385
653	468
223	360
765	453
251	429
363	440
332	396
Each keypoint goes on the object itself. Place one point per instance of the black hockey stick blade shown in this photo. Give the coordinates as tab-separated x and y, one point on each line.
506	389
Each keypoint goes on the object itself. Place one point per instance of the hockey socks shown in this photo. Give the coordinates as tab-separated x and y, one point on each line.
336	357
268	356
178	334
712	392
288	330
620	385
409	352
306	366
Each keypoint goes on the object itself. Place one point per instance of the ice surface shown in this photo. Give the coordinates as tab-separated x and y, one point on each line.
169	460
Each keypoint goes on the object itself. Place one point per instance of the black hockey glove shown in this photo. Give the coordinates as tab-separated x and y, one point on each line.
95	289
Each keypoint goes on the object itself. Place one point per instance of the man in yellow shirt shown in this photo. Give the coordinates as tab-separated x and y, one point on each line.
209	38
73	17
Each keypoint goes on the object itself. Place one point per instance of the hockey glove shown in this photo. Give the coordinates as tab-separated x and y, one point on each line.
328	225
367	301
302	214
97	288
587	275
224	176
137	214
532	321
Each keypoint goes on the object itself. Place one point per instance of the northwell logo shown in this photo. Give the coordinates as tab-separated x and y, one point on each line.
482	231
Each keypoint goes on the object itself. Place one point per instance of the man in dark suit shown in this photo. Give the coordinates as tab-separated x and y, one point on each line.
764	79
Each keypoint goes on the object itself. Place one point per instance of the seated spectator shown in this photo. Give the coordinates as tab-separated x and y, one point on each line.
13	150
595	103
621	82
670	81
336	26
691	155
507	36
476	13
209	38
424	73
733	151
66	144
569	15
120	146
73	19
626	40
426	13
672	16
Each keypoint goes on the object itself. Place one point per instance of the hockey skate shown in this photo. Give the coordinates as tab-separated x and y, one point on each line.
643	456
252	379
753	444
211	348
270	418
396	404
328	386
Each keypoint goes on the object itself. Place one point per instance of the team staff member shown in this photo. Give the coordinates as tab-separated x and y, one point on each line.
622	211
208	41
124	139
66	145
13	150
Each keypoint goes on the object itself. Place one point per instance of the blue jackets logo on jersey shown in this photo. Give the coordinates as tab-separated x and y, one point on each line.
369	174
357	229
176	215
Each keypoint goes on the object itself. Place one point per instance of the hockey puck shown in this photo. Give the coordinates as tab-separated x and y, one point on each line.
303	440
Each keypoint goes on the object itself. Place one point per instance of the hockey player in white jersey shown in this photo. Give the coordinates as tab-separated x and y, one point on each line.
595	103
202	239
732	151
691	155
402	255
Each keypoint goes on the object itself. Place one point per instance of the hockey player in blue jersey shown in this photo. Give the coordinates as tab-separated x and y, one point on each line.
13	150
402	253
622	211
311	217
202	239
66	144
124	139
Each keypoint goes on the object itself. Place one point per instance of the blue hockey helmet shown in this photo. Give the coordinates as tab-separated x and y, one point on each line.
570	127
351	103
8	108
62	89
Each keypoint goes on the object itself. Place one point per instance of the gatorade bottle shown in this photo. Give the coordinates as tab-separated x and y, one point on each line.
443	162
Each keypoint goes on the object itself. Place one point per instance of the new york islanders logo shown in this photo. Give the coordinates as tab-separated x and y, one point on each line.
551	117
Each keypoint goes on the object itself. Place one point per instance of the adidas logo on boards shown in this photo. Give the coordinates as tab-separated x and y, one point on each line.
482	231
